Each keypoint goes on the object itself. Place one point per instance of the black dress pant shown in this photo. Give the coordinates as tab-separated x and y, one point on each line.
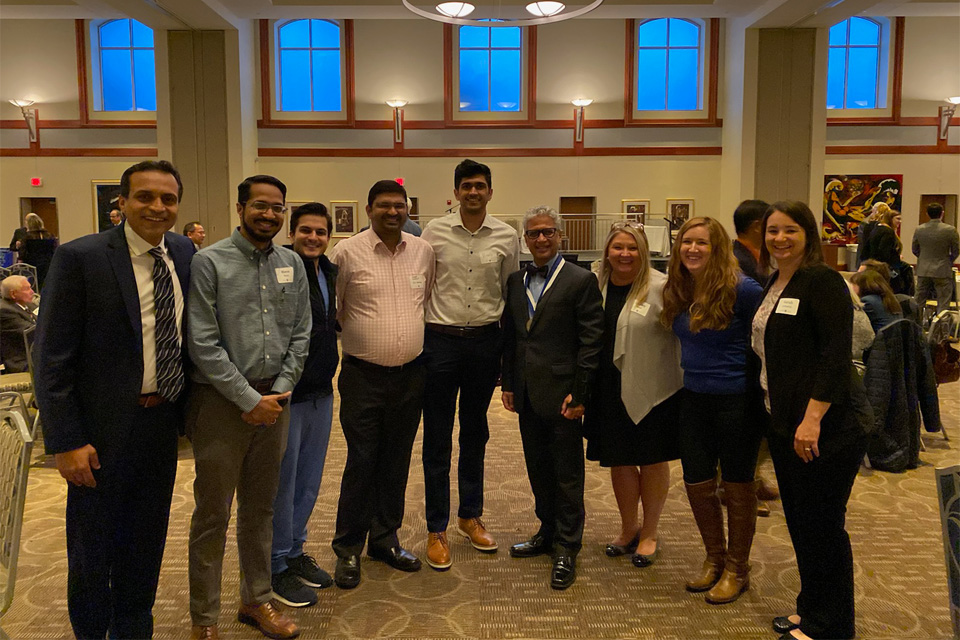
814	496
468	365
553	451
116	532
718	428
380	413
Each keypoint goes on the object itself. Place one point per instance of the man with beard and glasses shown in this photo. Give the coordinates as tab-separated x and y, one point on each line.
250	320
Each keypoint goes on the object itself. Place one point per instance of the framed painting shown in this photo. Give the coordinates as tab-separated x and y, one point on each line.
635	210
344	214
414	212
848	200
679	210
106	197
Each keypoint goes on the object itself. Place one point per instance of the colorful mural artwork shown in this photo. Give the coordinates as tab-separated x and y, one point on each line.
848	199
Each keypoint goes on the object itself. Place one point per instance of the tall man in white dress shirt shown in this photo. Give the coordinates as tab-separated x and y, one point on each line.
476	253
385	278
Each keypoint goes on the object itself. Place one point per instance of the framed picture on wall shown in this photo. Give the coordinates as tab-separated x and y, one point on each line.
679	210
106	197
635	209
292	205
344	214
414	213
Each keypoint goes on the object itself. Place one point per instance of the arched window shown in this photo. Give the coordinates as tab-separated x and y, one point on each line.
124	72
857	64
309	66
489	71
669	65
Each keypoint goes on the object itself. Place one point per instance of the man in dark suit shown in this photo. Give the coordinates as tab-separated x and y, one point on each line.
109	382
553	329
746	246
16	316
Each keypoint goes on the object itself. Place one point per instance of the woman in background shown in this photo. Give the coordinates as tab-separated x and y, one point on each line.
879	301
709	304
632	424
37	247
803	334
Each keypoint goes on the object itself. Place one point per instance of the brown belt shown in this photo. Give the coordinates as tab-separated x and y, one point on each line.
263	386
464	332
150	400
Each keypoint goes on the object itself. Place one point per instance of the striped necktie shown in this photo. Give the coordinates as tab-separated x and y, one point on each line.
169	362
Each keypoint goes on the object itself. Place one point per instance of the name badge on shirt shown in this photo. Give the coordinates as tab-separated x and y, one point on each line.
488	257
284	275
417	281
788	306
641	309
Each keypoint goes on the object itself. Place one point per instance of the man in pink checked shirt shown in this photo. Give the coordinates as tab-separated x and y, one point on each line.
385	277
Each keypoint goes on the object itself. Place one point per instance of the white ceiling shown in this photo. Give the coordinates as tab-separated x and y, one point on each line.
220	14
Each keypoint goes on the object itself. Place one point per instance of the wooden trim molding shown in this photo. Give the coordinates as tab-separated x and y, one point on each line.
711	89
530	97
939	148
77	124
268	152
121	152
267	120
896	89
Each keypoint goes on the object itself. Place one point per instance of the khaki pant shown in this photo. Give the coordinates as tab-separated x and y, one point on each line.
231	455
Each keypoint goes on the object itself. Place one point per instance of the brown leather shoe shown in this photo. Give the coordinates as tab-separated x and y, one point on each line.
269	620
438	551
767	491
480	538
204	632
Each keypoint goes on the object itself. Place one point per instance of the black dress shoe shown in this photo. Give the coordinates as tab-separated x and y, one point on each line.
614	550
397	557
347	575
535	546
564	572
782	624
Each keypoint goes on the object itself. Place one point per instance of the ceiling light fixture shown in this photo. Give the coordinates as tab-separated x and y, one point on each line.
946	113
29	116
544	9
455	9
543	12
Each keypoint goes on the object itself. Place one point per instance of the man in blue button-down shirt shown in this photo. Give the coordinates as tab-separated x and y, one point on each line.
249	322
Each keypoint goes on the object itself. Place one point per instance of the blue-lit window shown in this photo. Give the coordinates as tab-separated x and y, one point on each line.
669	65
308	65
857	64
124	72
489	71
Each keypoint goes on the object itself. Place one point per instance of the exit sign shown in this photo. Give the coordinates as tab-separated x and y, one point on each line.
36	182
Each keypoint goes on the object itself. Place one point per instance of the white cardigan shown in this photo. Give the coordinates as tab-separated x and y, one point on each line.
647	354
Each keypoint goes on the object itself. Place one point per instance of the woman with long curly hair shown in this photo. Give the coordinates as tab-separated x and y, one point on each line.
631	424
709	304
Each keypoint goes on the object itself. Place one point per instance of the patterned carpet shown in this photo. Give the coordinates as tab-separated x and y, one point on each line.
892	518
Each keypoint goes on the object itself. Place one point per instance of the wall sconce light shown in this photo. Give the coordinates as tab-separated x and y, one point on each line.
579	103
29	116
398	106
945	114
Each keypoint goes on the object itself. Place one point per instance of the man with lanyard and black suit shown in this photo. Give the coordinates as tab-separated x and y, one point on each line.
110	381
476	253
553	330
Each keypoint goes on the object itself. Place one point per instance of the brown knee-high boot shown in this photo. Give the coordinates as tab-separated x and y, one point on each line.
709	516
742	523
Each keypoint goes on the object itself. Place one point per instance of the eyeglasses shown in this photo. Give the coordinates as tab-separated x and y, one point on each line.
261	207
548	232
621	224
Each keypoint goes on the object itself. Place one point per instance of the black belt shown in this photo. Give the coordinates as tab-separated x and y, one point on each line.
371	366
151	400
263	386
464	332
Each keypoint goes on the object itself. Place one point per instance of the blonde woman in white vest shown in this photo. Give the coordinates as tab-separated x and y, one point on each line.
631	424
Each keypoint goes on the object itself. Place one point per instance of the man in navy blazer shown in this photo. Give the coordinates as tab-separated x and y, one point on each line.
552	332
109	384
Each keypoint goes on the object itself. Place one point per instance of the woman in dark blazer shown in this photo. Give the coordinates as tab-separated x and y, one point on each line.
802	333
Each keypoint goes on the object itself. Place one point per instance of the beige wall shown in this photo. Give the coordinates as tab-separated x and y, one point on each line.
39	62
931	64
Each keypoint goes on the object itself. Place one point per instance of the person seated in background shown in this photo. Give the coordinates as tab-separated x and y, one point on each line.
116	217
863	332
16	315
878	299
746	246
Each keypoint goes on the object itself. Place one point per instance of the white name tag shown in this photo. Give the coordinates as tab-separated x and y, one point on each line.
788	306
417	282
284	274
641	309
488	257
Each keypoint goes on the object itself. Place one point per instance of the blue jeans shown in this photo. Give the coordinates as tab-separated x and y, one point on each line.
300	475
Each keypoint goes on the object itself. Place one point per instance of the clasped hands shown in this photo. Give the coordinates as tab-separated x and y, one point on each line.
267	410
568	410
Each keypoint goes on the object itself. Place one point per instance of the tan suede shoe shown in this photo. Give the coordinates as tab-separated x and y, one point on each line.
438	551
204	632
269	620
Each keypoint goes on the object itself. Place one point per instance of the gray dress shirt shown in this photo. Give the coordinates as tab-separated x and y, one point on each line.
248	318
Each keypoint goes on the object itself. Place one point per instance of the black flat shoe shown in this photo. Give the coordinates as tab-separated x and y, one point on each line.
614	550
645	560
535	546
397	557
564	572
347	574
782	624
